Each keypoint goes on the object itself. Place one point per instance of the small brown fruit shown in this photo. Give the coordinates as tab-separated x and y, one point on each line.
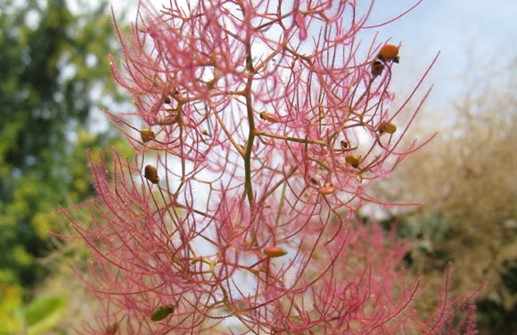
147	135
328	188
151	174
353	160
268	117
387	127
389	53
272	252
377	67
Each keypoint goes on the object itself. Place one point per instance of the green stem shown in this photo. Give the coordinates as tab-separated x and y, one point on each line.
248	187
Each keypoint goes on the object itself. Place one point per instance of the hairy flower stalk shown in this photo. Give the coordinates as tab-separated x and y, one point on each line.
257	127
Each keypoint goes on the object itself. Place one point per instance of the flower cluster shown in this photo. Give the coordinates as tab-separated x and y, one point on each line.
258	125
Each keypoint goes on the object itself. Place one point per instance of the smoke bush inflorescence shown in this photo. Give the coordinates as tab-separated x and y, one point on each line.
258	125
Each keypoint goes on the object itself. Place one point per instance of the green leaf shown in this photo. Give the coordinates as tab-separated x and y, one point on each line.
11	320
44	313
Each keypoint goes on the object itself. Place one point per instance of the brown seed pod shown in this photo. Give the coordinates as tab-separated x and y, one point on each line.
147	135
268	117
377	67
328	188
387	127
112	329
151	174
389	53
353	160
272	252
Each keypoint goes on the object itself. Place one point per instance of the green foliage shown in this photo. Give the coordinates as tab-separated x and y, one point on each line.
54	72
498	311
509	275
44	313
11	321
40	316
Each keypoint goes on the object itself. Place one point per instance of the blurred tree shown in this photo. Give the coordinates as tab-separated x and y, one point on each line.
54	72
467	181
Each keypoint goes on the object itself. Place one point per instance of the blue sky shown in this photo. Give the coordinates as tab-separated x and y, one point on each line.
471	35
